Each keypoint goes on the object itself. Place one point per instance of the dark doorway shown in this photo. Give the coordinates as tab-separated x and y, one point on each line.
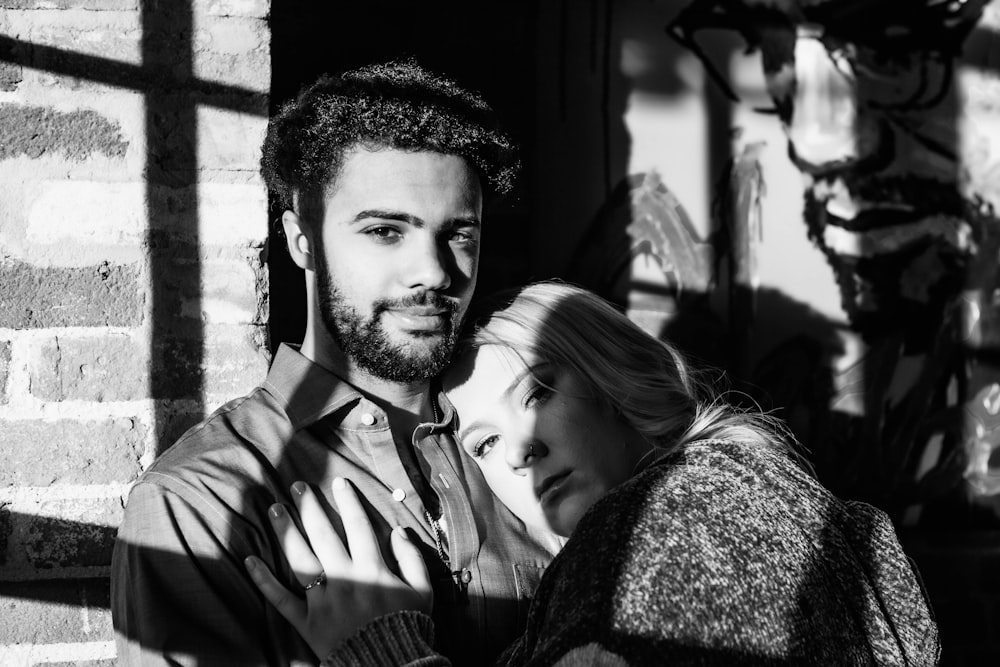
487	46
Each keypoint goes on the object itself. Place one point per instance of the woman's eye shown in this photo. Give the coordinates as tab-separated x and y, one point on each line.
485	446
537	395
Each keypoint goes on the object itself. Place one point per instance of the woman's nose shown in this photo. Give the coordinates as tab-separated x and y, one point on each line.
524	453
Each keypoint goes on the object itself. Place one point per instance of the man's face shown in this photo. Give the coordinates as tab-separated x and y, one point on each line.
396	259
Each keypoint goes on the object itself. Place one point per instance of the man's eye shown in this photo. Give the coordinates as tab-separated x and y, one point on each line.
383	234
485	446
464	236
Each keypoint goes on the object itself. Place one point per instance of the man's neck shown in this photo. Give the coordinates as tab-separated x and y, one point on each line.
405	404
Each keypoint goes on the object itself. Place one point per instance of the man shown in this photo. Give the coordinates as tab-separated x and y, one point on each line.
382	173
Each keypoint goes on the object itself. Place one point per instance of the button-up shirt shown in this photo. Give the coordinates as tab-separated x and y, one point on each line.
180	593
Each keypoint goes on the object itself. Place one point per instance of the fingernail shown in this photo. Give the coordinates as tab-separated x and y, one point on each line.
299	488
276	510
399	530
250	562
339	483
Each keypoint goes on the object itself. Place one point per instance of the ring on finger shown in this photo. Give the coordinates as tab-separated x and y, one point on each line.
318	581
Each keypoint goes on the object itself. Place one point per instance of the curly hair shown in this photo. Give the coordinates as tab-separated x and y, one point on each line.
396	105
647	382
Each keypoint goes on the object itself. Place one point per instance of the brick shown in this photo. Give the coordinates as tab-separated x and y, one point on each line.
173	419
227	214
113	37
6	528
105	368
41	612
35	131
37	297
226	292
247	8
231	36
89	5
78	533
191	291
251	71
11	75
81	213
172	139
39	452
229	140
4	370
231	361
236	359
176	371
85	217
217	360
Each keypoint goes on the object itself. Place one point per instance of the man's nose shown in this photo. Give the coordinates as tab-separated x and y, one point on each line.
429	265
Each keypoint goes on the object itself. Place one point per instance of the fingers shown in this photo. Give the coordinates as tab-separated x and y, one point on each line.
360	536
287	604
326	544
305	566
411	564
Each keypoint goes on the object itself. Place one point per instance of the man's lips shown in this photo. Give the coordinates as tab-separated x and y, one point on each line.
550	483
420	317
420	310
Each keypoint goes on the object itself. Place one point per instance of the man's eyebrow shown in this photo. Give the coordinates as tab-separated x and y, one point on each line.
388	214
402	216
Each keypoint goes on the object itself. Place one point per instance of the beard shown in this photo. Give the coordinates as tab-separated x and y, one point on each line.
366	342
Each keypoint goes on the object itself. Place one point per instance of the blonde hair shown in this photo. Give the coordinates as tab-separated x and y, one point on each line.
644	381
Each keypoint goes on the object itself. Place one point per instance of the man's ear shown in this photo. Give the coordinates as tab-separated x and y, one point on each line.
299	244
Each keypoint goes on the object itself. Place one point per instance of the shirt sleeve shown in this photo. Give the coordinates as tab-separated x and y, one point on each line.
179	591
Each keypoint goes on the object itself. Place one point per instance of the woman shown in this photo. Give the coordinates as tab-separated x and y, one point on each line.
697	536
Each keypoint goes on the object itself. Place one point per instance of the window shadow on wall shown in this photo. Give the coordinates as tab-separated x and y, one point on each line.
172	95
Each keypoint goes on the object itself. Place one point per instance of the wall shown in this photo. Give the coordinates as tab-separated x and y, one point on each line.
616	96
133	294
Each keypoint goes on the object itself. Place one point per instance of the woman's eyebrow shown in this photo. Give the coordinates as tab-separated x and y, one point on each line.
463	432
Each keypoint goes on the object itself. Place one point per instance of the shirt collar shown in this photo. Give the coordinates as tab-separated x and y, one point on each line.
307	391
444	405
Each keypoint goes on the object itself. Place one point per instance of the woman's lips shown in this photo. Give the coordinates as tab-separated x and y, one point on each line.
550	485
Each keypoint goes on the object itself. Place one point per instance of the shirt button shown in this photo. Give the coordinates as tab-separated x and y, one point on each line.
466	575
368	419
398	495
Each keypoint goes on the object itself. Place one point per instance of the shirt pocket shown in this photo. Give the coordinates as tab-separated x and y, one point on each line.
527	576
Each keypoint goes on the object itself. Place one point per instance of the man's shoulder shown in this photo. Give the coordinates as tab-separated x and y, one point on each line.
231	443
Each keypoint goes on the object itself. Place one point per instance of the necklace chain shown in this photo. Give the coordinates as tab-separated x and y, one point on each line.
438	542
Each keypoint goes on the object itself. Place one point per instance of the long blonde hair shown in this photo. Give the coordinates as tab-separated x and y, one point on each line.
645	381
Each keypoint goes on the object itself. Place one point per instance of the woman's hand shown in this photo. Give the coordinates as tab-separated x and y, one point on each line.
343	592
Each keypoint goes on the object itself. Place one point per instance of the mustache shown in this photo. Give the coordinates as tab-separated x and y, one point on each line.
431	299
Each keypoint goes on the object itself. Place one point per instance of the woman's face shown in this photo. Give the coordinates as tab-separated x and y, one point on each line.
547	449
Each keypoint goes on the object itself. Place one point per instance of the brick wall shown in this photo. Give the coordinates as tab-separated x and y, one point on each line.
132	286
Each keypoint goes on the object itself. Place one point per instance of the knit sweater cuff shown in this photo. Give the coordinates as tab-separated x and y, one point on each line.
393	639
